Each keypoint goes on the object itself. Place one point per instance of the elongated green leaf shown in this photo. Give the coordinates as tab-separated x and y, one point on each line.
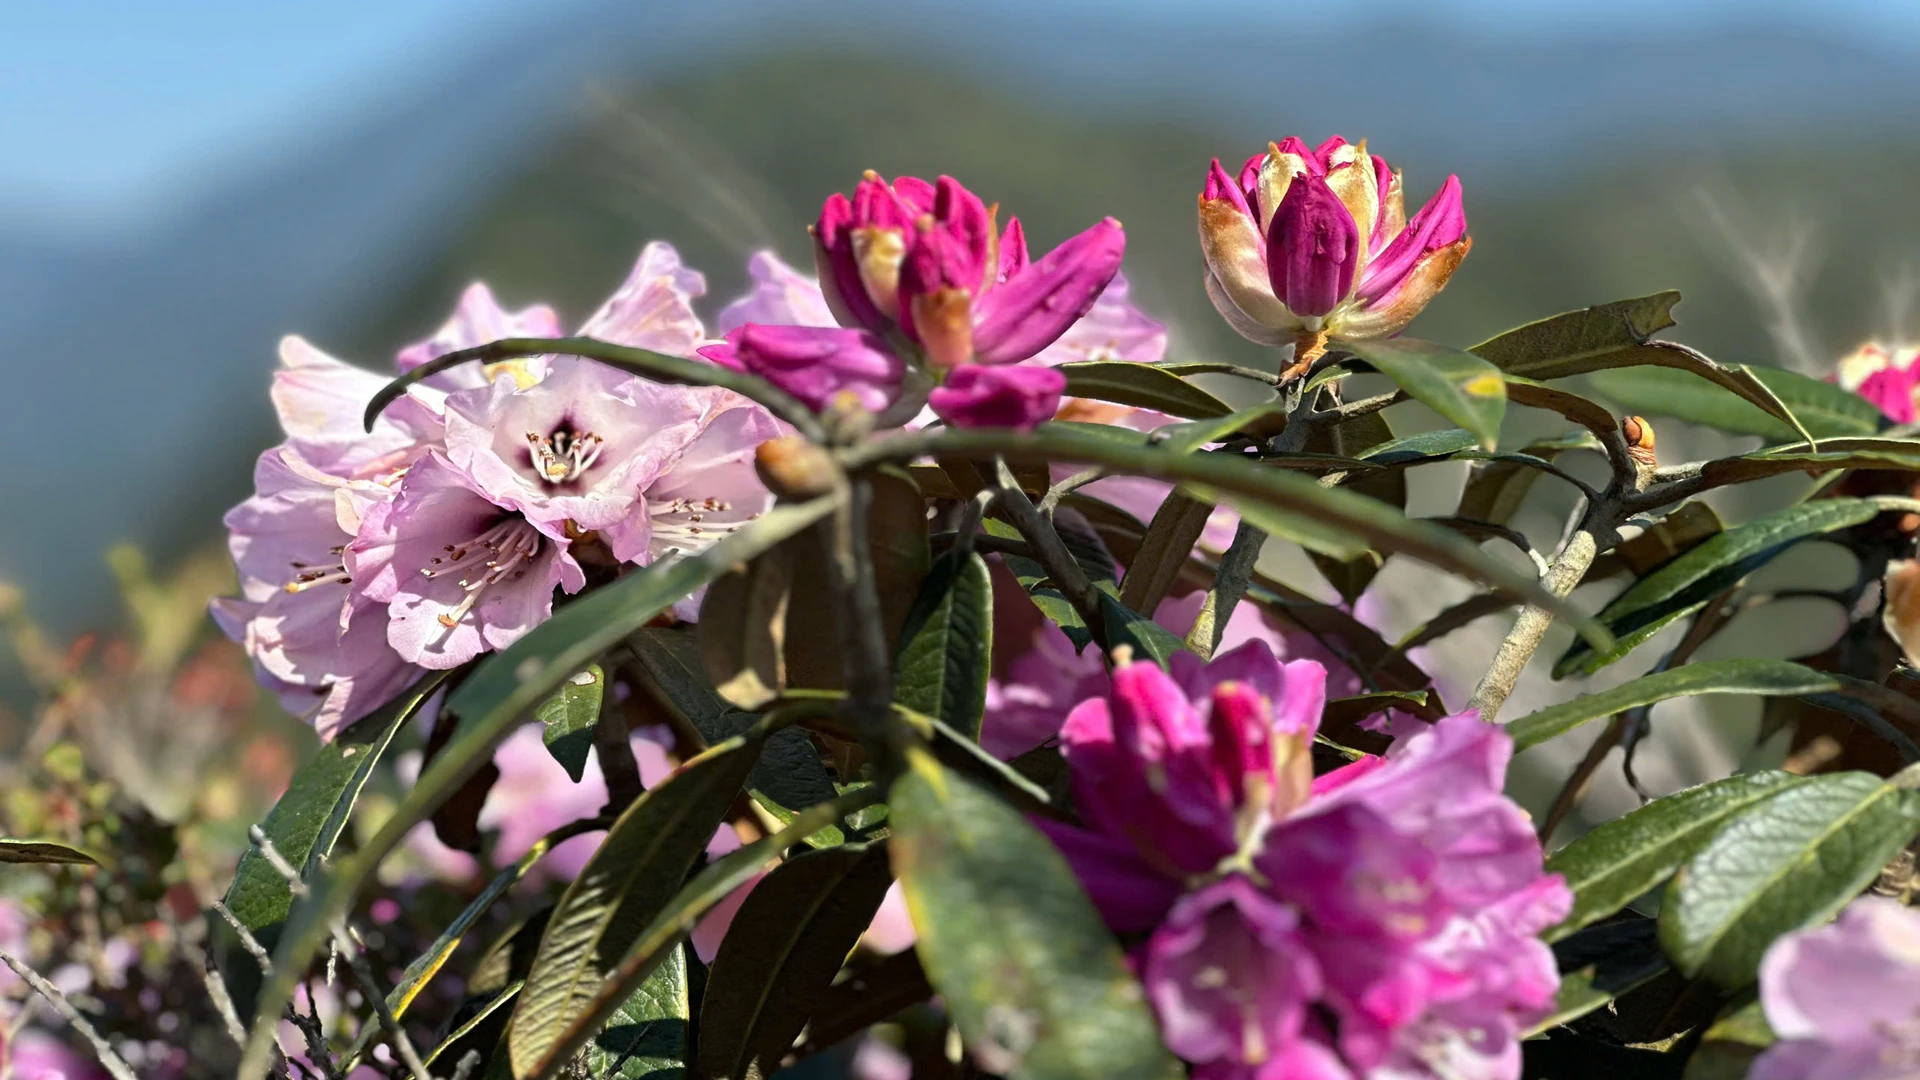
1260	423
780	955
1247	485
490	704
1727	1050
676	920
1588	414
1148	639
47	852
1791	861
1890	454
626	883
1496	488
303	826
1142	386
1033	980
1589	339
568	717
1033	578
1769	678
1625	857
1164	551
1600	964
1416	449
742	629
650	1036
472	1023
947	648
1826	410
1682	586
1458	385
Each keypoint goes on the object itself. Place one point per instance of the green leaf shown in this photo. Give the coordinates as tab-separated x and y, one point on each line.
1252	490
1458	385
780	955
1888	454
1623	858
490	705
742	629
1588	414
650	1036
1415	449
671	926
1826	410
1127	627
1495	488
44	852
1033	578
1589	339
1791	861
1142	386
1259	423
569	716
1768	678
1164	551
1727	1050
303	826
1683	585
1032	978
627	882
947	648
1600	964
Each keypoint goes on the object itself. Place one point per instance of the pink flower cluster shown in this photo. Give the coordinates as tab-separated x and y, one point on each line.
1378	921
1888	376
1319	241
923	286
1844	999
364	558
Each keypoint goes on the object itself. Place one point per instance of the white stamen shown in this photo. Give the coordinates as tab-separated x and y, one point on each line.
500	553
565	455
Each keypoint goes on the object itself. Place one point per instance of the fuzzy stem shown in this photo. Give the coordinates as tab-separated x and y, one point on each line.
1531	627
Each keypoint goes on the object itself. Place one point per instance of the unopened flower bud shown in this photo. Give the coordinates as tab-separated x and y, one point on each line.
794	468
1639	436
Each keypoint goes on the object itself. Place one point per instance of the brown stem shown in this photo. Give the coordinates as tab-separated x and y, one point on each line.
1531	627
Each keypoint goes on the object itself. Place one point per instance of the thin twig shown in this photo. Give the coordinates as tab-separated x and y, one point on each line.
247	940
1049	549
110	1060
222	1001
1531	627
465	1066
1067	486
369	989
968	536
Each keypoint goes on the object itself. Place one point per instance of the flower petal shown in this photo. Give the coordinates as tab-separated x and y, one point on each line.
1015	320
653	308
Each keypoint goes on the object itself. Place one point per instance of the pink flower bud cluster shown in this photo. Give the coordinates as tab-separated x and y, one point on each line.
1377	921
926	287
1318	241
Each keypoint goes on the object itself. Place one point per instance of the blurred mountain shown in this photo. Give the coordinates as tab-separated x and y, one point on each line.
136	403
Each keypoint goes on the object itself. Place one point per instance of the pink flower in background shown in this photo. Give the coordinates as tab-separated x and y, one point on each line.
1400	897
443	533
1318	242
816	364
1888	376
33	1054
1844	999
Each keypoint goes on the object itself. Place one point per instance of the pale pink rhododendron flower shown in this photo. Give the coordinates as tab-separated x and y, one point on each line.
444	532
1888	376
1302	244
1398	897
32	1054
1843	1000
921	273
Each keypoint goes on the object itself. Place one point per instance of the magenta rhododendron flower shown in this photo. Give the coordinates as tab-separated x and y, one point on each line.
927	274
1317	242
1397	897
444	532
1887	376
1844	999
1011	397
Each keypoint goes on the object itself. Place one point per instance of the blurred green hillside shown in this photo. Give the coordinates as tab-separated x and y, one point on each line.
730	160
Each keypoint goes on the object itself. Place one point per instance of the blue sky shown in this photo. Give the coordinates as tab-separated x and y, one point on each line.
111	109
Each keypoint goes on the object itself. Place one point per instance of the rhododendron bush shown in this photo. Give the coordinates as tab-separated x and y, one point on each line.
884	676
